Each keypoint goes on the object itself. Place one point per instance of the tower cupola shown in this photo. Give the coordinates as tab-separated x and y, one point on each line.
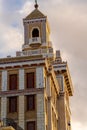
36	29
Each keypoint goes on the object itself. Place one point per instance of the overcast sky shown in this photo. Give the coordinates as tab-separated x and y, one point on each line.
68	23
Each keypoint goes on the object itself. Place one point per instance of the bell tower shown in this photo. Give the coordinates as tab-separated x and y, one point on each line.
36	30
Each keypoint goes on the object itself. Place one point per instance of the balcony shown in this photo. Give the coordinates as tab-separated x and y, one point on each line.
44	52
35	41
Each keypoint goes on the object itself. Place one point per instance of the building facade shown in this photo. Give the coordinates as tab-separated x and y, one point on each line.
7	128
35	85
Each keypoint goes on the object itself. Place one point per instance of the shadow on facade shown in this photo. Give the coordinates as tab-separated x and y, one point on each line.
10	122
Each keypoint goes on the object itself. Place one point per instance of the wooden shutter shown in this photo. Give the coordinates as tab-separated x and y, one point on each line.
31	125
0	81
31	102
12	104
13	82
30	80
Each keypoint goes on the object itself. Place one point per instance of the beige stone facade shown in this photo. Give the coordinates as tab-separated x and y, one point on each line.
35	86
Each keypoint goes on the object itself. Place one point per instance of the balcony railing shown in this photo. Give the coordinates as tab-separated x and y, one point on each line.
35	40
45	52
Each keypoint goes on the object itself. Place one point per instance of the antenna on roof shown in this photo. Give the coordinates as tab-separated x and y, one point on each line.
36	1
36	5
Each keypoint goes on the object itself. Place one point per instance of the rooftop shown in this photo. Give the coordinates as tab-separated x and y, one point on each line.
36	14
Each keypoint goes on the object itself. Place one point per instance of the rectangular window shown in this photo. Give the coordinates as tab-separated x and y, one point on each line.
30	80
31	125
0	81
46	105
0	106
13	82
12	104
30	102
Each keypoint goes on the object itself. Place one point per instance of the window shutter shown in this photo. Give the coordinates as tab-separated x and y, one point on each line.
13	104
30	80
31	125
31	102
13	82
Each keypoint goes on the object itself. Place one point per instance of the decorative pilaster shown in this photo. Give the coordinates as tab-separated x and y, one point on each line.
40	112
21	111
44	32
39	77
49	114
4	80
60	80
26	33
3	107
49	110
21	79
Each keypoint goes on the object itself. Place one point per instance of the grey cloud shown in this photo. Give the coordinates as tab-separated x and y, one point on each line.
69	34
77	1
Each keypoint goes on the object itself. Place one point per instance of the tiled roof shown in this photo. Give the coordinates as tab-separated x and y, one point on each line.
36	14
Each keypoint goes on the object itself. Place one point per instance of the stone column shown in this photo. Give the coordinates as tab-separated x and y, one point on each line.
49	114
49	103
3	107
40	112
44	32
26	33
21	111
21	79
39	77
61	111
4	80
60	80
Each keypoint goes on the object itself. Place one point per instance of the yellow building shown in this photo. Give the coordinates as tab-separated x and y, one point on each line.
7	128
35	86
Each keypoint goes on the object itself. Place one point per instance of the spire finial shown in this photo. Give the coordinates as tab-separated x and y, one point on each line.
36	5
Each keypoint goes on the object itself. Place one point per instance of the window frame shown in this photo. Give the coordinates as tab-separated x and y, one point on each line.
30	81
30	102
13	78
13	101
31	123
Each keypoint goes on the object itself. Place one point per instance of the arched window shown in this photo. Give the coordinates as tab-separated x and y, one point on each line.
35	32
